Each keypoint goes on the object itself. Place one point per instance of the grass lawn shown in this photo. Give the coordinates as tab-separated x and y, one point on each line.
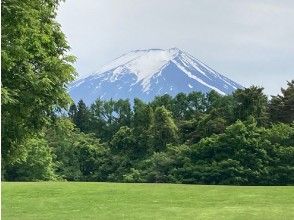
70	200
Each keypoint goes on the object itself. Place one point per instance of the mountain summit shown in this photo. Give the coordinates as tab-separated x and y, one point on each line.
148	73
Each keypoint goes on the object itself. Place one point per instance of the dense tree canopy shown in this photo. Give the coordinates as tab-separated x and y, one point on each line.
164	129
282	106
35	70
250	102
189	138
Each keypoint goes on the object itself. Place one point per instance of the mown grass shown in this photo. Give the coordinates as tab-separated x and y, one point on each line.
73	200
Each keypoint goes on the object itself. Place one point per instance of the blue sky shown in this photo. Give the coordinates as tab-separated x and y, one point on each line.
251	42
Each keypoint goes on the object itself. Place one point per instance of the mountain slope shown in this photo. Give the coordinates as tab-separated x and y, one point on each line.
148	73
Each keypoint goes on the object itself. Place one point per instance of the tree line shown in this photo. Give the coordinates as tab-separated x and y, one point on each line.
242	139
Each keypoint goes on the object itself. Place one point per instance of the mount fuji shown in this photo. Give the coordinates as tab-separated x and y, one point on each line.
148	73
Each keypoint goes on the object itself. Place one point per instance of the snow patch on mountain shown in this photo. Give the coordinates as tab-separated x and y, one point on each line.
147	73
143	63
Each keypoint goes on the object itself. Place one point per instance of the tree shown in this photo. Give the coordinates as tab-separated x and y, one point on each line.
213	100
124	141
180	106
164	129
250	102
281	153
92	157
220	106
61	136
196	104
72	112
82	117
143	116
109	118
97	122
238	156
123	110
282	134
281	107
164	100
78	156
164	166
35	70
36	162
204	125
143	119
156	168
187	106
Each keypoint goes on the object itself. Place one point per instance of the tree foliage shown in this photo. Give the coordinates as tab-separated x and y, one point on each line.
200	139
250	102
164	129
282	106
35	70
35	164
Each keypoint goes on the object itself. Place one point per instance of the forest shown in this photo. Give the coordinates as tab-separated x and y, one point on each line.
240	139
245	138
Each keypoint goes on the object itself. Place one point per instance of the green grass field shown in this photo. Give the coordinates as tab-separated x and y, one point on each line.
65	200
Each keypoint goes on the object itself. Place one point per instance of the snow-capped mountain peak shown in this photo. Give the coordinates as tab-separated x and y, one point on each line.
143	63
147	73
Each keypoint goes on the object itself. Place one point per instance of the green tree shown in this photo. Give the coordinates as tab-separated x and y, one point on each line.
204	125
281	152
36	162
35	70
164	129
110	120
92	157
97	122
213	100
282	106
156	168
124	141
164	100
82	117
282	134
238	156
143	119
167	166
72	112
61	136
251	102
78	156
123	110
220	106
196	104
180	106
143	116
